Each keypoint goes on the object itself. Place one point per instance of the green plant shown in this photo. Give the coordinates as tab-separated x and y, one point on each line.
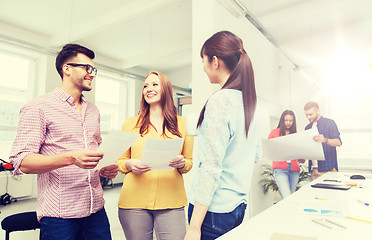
267	181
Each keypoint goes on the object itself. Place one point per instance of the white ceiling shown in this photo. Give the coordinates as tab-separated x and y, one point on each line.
143	33
313	31
156	34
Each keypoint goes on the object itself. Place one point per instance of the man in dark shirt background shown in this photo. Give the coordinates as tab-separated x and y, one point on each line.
329	136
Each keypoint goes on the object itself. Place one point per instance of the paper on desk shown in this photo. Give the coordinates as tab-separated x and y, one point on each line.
324	207
157	152
294	146
115	144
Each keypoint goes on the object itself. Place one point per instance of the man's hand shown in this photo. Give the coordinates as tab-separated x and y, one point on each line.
136	167
84	158
320	138
315	174
109	171
178	162
301	160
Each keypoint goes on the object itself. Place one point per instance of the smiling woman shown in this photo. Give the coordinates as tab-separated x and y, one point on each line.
155	198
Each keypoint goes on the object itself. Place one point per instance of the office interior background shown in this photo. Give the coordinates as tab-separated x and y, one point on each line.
301	50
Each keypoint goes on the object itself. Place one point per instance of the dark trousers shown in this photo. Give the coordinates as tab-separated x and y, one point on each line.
94	227
217	224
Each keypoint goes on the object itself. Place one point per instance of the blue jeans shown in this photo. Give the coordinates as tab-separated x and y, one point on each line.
286	180
94	227
217	224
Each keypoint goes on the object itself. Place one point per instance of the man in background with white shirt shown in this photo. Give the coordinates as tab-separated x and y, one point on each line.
57	139
329	136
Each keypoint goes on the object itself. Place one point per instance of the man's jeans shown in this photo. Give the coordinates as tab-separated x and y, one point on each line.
94	227
217	224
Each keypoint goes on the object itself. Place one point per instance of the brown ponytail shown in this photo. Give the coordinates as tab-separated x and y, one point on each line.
229	48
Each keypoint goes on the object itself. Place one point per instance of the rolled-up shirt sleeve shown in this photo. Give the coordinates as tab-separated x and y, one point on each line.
30	135
213	141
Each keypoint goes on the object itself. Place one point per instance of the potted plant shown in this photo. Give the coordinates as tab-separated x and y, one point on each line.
267	181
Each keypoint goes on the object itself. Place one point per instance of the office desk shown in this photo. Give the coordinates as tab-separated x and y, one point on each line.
288	216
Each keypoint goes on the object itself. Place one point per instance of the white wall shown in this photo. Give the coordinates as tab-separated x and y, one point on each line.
295	90
181	77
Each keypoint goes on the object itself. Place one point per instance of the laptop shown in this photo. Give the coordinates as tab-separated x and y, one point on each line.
331	186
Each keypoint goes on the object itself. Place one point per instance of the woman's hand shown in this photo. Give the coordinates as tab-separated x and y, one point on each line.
109	171
136	167
193	234
178	162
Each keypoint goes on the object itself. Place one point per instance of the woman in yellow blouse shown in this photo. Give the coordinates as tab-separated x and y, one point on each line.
154	198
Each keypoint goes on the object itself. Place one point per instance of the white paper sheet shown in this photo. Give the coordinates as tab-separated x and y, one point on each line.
294	146
114	145
157	153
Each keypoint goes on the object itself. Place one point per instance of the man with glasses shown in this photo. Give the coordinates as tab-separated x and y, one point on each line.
58	136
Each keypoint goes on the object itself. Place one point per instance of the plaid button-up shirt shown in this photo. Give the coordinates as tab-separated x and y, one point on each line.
49	125
329	129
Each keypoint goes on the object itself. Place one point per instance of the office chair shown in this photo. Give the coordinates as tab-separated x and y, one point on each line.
20	222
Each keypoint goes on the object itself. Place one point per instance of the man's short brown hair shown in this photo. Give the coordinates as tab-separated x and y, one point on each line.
311	105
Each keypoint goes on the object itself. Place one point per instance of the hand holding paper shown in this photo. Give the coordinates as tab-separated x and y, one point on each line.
320	138
136	166
178	162
114	145
294	146
85	158
109	171
159	154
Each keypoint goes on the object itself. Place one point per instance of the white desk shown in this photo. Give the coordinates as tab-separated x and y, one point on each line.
288	217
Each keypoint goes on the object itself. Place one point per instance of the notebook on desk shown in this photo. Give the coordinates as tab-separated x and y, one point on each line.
331	186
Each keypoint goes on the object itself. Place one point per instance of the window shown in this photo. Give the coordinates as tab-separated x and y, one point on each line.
16	76
350	108
114	98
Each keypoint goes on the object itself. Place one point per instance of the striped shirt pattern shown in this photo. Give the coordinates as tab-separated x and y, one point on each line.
49	125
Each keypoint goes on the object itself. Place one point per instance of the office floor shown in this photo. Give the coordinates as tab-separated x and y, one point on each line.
111	196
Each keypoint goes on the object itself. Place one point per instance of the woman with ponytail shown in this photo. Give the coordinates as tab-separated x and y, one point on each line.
228	141
154	199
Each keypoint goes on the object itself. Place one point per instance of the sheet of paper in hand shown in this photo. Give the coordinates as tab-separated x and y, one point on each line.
298	145
158	152
114	145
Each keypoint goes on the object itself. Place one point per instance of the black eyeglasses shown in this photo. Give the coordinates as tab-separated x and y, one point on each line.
88	67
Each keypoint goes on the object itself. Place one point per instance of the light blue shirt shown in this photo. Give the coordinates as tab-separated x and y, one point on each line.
226	156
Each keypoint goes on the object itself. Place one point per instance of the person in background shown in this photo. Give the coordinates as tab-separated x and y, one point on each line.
154	198
228	140
57	139
329	136
286	173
